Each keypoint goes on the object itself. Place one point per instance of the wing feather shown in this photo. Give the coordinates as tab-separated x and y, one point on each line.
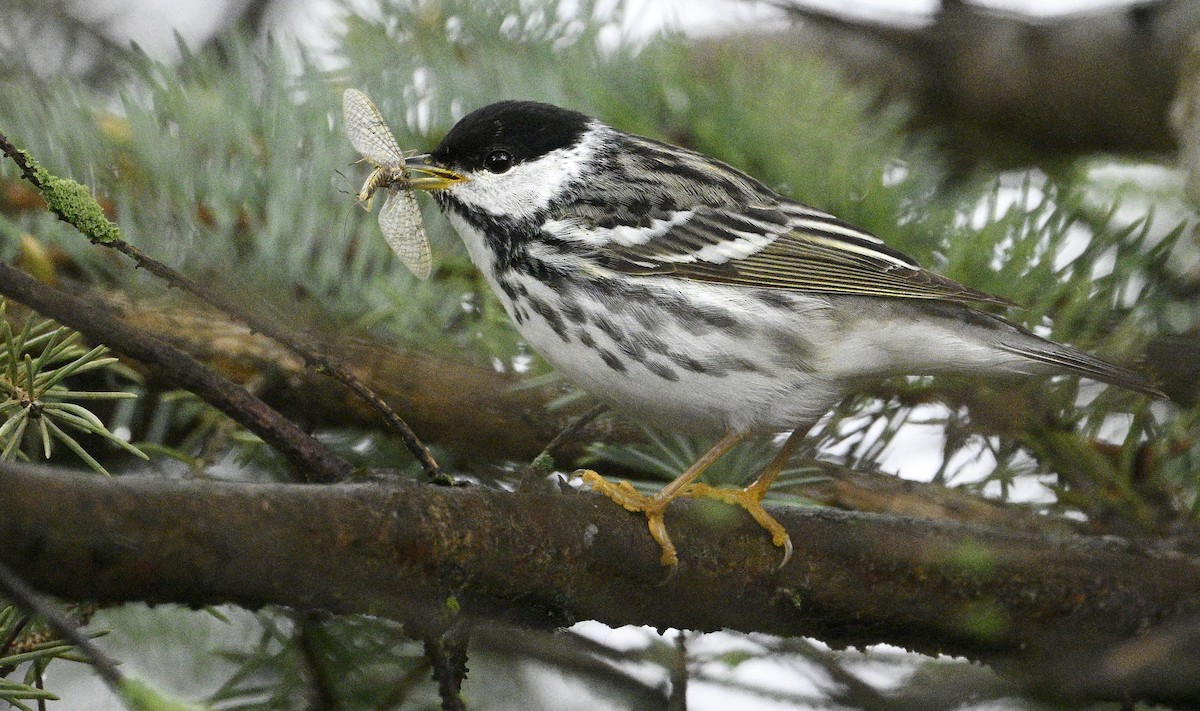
786	246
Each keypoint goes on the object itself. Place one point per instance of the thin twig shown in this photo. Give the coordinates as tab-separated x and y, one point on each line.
599	666
27	598
39	682
312	356
447	656
11	640
679	674
854	692
312	459
543	462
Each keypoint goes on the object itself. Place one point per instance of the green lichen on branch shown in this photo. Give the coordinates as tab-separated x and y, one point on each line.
73	202
542	465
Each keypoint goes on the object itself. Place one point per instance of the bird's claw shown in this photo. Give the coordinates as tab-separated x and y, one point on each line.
749	499
631	499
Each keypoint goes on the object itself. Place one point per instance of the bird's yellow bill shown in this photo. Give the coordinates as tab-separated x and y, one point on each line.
423	175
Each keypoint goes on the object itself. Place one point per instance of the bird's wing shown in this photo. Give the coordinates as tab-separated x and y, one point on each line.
784	246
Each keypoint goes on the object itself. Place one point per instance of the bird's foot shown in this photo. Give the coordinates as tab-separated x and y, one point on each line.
631	499
750	499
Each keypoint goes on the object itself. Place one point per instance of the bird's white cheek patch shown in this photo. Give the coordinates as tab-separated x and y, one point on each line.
528	188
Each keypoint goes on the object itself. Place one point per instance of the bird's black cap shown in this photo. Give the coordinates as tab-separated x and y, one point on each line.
526	129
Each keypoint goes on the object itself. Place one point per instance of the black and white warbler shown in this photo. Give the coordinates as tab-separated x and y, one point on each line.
682	290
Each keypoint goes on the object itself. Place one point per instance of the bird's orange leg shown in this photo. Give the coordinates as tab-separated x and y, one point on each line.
655	506
751	497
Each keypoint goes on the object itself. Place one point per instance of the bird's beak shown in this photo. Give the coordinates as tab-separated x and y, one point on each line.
425	175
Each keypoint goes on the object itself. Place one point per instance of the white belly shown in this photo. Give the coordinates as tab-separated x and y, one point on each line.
678	368
680	379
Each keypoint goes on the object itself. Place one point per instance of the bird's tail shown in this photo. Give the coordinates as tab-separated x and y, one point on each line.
1066	359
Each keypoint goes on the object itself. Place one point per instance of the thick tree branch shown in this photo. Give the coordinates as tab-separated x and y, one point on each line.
432	556
1094	79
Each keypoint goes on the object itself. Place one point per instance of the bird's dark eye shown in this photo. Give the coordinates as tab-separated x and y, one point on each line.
498	161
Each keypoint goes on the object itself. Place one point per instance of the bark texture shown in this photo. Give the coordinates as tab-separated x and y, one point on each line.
430	556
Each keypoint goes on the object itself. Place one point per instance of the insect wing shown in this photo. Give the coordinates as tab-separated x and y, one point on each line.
400	220
367	131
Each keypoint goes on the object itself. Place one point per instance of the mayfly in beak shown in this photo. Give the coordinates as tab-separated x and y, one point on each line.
400	218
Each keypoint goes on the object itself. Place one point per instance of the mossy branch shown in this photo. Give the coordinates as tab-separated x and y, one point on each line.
72	202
